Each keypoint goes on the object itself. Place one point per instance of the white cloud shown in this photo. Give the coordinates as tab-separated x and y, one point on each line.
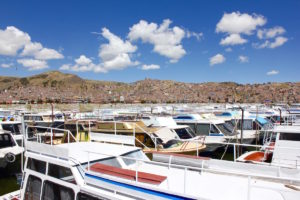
243	59
65	67
12	40
5	65
272	72
166	40
116	53
33	64
233	39
279	41
190	34
270	33
217	59
237	23
150	67
37	50
83	60
228	49
48	54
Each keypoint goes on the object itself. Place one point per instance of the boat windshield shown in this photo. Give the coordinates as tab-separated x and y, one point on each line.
6	141
226	128
13	128
185	133
138	154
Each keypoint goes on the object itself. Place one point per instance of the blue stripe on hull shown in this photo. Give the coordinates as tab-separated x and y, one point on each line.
140	189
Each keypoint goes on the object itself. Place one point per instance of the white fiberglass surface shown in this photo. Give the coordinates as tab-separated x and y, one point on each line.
205	184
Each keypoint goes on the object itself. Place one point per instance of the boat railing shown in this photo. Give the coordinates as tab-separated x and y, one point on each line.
134	126
251	177
50	132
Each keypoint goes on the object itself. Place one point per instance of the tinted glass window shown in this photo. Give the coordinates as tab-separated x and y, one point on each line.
6	141
82	196
111	162
62	173
135	155
202	129
289	136
213	129
13	128
33	188
36	165
53	191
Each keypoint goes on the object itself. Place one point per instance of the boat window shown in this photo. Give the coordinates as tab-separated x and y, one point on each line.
33	188
247	124
226	128
13	128
183	117
135	154
213	129
6	141
60	172
289	136
111	162
202	129
53	191
184	133
36	165
83	196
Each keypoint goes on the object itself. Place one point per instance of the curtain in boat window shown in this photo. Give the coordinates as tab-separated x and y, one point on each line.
33	188
53	191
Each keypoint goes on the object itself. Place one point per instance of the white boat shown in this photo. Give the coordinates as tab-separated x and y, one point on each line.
209	128
284	152
92	170
9	148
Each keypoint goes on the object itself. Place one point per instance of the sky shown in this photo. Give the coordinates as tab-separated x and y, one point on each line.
247	41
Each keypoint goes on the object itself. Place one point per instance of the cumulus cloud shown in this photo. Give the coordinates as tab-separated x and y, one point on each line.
270	33
233	39
6	65
166	40
234	24
12	40
217	59
279	41
243	59
82	64
272	72
150	67
116	53
33	64
237	23
36	50
83	60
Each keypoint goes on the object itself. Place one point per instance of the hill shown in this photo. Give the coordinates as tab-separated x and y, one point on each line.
55	86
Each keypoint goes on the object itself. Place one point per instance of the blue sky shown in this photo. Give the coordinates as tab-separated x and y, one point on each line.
189	41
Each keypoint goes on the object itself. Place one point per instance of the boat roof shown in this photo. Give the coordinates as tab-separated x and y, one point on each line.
79	150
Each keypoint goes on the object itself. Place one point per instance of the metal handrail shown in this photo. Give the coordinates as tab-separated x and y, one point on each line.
169	165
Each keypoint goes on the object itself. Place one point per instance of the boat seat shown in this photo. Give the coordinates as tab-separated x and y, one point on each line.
128	174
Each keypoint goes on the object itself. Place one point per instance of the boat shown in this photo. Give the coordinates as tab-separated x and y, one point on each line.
94	170
151	138
9	148
208	128
284	151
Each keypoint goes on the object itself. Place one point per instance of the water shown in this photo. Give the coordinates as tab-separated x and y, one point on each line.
8	178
